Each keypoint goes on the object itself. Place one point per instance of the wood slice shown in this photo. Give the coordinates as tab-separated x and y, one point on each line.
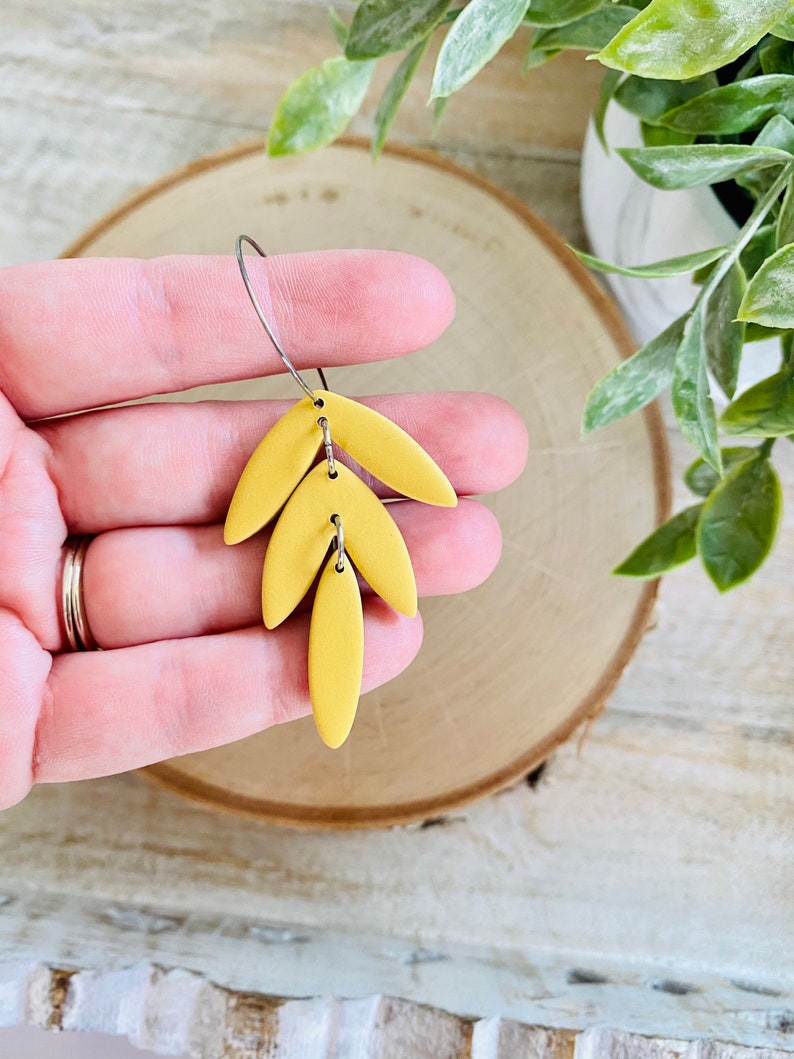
509	670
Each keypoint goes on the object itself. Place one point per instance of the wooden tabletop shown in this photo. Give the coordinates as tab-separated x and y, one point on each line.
642	880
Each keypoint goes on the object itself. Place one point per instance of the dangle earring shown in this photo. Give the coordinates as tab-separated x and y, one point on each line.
330	521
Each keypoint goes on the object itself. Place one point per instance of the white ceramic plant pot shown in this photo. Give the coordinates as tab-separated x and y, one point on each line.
629	223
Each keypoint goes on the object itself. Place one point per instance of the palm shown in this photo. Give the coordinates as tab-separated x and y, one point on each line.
32	531
186	663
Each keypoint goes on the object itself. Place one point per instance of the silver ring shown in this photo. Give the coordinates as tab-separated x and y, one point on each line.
78	631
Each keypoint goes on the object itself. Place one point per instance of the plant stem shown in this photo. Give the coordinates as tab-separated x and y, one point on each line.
765	449
755	221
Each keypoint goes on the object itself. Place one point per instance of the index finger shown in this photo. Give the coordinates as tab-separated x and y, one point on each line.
81	333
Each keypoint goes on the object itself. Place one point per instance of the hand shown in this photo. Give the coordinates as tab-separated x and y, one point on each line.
187	664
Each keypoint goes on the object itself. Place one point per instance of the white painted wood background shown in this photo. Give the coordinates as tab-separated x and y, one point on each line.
643	881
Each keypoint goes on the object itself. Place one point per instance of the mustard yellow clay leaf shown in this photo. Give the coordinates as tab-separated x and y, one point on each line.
303	533
386	451
336	652
276	466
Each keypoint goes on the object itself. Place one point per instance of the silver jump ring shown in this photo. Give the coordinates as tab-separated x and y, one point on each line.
322	423
238	249
339	565
78	631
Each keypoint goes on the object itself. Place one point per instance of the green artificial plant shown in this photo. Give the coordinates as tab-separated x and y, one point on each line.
712	84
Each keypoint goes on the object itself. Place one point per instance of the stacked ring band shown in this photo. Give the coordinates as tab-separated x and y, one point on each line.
78	631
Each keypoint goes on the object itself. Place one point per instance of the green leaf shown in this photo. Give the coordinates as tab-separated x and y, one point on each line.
757	333
338	27
674	266
380	27
778	132
739	521
769	298
701	275
735	107
536	57
635	382
785	222
586	34
723	334
672	545
659	136
690	166
609	83
393	94
692	402
703	479
777	57
559	12
649	100
439	106
785	28
766	410
678	39
475	37
317	107
761	246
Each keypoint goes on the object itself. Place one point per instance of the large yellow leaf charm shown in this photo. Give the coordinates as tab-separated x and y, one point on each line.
336	652
304	532
276	466
386	451
324	509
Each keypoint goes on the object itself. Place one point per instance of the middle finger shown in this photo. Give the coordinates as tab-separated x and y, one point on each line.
171	464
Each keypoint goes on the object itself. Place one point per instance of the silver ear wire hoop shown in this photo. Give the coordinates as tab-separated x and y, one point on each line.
238	249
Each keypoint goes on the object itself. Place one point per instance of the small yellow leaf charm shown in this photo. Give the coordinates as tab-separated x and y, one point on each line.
336	652
276	466
303	533
386	451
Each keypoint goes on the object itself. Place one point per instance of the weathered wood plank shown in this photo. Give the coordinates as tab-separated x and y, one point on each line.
498	1038
181	1014
230	61
644	881
100	98
605	1043
61	169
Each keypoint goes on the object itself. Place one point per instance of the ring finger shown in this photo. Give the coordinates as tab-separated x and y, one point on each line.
161	583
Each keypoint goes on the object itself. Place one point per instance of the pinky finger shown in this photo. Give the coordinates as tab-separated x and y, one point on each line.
117	710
